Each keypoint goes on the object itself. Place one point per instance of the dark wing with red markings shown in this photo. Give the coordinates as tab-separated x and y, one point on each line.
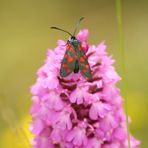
68	62
83	63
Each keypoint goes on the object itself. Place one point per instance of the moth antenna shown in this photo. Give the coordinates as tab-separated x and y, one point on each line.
56	28
77	25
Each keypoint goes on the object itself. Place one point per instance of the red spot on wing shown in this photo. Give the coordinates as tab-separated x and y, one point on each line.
85	57
80	47
67	70
82	59
69	47
64	65
86	66
70	59
84	70
66	56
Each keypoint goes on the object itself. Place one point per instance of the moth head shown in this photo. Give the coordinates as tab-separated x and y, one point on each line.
74	40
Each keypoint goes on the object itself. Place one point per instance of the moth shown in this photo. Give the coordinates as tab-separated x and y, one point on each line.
74	59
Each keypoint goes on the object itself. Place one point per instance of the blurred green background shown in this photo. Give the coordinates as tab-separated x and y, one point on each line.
25	38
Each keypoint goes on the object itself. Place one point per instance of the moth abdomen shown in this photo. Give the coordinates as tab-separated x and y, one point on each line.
76	69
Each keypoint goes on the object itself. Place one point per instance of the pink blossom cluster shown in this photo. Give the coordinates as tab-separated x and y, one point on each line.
76	112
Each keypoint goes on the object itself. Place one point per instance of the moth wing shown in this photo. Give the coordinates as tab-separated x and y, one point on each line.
83	63
68	62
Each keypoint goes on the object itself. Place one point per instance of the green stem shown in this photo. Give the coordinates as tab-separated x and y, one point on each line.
123	68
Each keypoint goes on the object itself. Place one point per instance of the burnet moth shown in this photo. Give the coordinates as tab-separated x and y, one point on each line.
74	58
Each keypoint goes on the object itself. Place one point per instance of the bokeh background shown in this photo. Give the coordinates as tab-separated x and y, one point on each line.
25	37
